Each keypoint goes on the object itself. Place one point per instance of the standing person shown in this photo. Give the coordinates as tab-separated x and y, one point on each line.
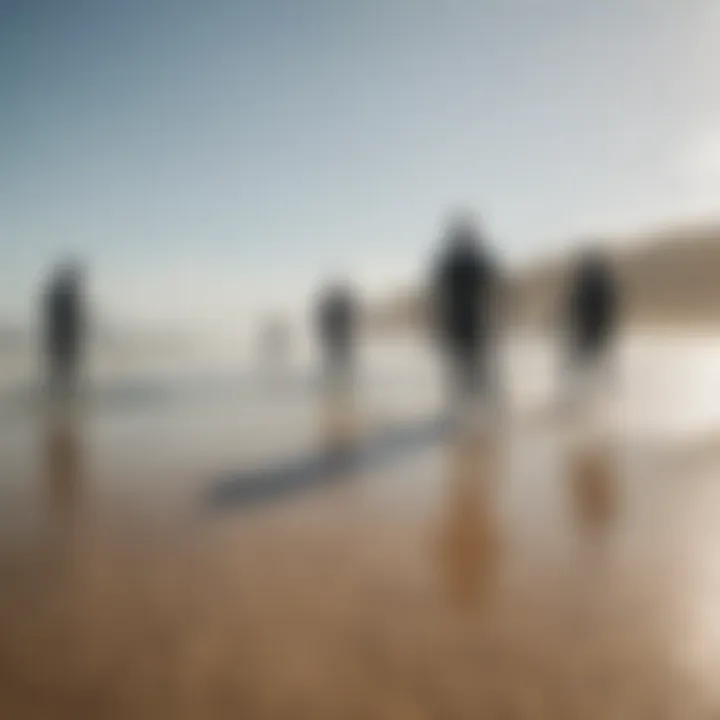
591	314
465	311
336	326
64	328
275	344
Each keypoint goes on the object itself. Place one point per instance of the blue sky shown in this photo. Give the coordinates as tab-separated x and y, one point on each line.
217	158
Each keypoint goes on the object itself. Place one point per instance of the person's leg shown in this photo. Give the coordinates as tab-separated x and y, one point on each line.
61	379
600	362
332	361
478	390
608	372
574	372
454	382
54	376
491	380
70	373
453	377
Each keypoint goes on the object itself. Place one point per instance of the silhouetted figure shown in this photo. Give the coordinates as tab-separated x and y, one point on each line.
592	313
465	306
64	328
336	326
275	341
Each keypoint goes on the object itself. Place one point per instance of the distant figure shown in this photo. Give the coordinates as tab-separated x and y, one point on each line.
336	326
64	328
592	313
465	306
275	343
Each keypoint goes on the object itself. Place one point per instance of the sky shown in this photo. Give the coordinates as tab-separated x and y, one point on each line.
214	160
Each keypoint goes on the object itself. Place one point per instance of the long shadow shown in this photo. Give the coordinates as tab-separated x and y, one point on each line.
323	467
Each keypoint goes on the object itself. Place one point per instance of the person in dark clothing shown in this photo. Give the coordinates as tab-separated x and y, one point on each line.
336	325
592	312
64	330
465	307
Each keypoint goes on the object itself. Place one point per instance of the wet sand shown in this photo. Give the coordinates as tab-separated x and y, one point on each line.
553	566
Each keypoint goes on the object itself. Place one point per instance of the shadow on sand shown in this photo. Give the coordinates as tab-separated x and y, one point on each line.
323	467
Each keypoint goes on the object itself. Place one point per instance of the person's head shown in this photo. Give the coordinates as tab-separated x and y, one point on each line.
69	272
338	285
592	255
462	230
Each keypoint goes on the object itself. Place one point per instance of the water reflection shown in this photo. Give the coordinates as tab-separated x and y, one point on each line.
594	486
339	421
469	542
64	465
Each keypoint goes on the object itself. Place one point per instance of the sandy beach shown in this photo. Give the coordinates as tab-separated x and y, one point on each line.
550	565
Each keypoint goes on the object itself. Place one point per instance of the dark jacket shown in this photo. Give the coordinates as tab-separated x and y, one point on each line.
465	296
336	320
593	303
63	318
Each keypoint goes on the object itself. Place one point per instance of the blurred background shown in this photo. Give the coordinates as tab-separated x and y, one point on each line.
257	198
211	165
